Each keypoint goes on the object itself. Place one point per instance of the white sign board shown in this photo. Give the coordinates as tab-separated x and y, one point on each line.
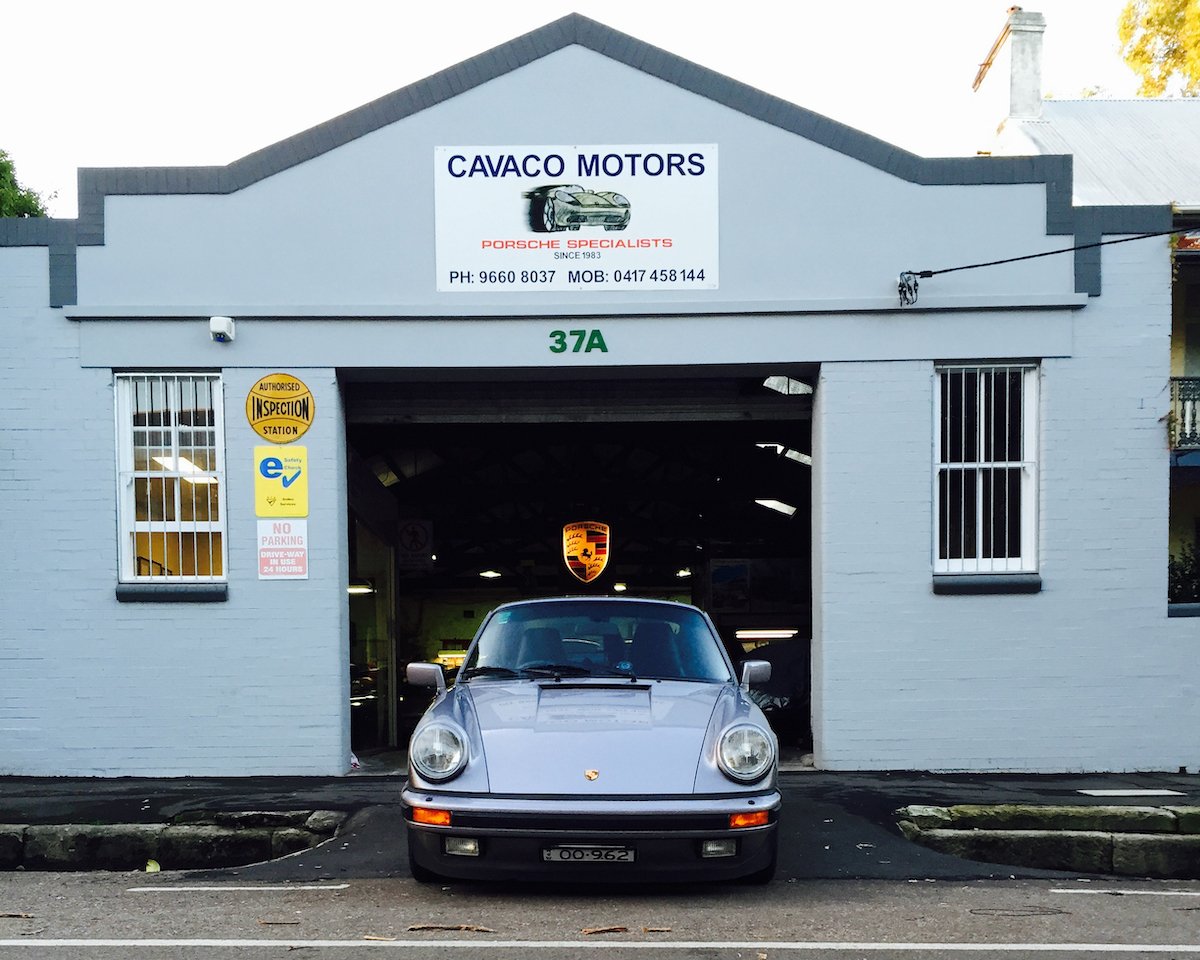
576	218
283	549
414	545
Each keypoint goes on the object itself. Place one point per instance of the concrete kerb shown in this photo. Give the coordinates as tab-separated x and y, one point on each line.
196	839
1132	841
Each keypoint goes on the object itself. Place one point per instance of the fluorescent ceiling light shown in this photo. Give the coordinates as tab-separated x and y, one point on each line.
187	470
766	634
360	586
788	386
683	573
780	449
778	505
490	574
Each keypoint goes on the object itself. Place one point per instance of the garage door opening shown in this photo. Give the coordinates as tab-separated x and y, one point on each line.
460	494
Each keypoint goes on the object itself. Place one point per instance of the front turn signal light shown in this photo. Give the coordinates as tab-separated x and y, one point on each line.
436	818
757	818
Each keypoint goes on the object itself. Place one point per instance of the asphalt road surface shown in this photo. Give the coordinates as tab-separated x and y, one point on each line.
828	832
848	886
118	916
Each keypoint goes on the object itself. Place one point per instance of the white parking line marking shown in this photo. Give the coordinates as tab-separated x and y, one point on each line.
1134	893
1131	793
223	889
783	945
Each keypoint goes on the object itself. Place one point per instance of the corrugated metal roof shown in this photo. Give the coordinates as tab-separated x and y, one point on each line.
1126	151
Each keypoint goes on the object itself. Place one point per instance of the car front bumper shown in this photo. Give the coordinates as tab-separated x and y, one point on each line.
666	835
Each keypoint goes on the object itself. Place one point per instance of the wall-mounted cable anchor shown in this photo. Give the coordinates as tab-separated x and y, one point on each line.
907	288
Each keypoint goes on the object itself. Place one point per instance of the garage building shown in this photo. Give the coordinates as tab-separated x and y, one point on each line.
269	431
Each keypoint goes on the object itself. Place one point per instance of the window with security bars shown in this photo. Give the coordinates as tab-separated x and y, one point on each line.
171	455
985	494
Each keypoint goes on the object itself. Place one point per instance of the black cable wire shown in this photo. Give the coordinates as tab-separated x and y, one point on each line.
925	274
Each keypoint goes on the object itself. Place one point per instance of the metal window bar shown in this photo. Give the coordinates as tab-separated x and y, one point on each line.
980	488
173	527
1185	413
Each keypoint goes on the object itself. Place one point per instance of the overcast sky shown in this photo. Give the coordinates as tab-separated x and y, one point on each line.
176	82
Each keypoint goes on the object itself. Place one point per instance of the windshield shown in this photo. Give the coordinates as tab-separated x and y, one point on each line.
574	638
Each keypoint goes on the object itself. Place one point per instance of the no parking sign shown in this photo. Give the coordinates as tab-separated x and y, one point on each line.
282	549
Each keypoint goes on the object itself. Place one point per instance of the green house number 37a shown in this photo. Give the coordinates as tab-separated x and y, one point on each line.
577	341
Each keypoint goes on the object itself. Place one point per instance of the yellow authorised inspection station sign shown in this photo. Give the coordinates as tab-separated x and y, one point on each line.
281	481
280	408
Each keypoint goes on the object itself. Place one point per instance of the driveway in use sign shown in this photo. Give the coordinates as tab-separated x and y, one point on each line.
282	549
281	481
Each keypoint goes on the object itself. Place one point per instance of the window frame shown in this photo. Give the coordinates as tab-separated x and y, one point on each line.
128	524
979	566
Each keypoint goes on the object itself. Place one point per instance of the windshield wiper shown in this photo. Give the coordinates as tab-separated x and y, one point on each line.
614	672
489	671
557	670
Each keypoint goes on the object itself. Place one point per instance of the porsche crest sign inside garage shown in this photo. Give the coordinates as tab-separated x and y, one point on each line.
585	548
578	218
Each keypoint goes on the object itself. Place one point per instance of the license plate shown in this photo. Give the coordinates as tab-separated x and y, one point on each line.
581	853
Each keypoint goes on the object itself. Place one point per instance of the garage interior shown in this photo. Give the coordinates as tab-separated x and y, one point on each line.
459	492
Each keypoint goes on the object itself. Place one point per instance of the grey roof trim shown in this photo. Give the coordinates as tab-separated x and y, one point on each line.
60	237
1055	171
1092	223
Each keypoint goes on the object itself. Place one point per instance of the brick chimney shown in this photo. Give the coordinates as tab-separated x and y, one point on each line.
1025	50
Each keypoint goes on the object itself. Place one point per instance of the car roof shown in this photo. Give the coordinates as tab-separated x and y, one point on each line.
594	599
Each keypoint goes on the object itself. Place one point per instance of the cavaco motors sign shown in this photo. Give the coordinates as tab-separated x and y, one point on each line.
576	218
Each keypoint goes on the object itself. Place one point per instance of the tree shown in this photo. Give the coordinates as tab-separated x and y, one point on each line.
1160	40
16	200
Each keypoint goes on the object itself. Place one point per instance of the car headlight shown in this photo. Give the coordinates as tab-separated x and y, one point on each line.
744	752
438	751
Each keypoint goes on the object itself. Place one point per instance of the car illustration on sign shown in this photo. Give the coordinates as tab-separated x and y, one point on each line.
562	206
600	739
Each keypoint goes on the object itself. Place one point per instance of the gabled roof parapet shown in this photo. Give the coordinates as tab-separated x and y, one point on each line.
95	184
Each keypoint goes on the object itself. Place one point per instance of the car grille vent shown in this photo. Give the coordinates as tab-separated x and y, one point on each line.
581	824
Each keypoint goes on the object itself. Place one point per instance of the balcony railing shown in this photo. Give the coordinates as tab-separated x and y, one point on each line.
1185	413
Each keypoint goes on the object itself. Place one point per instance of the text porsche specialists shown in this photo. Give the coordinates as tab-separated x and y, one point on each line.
610	217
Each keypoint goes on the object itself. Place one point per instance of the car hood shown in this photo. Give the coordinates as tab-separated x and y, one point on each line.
594	737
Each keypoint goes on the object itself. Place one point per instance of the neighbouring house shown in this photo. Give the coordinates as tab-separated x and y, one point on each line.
1137	152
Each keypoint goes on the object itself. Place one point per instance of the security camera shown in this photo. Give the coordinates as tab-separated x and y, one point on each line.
221	329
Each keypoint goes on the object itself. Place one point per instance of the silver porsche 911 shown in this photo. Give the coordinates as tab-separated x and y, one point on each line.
593	739
563	206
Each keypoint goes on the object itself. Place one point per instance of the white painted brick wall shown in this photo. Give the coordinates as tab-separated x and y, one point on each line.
1089	674
90	686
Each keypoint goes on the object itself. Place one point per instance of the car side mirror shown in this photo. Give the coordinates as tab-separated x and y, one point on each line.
426	675
755	671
